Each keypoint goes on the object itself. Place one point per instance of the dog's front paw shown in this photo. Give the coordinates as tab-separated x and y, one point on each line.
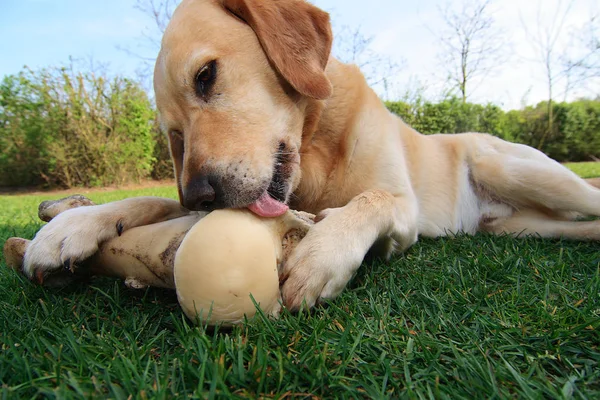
321	265
71	237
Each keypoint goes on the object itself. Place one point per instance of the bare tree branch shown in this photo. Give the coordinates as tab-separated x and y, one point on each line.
544	42
159	13
351	46
472	45
585	66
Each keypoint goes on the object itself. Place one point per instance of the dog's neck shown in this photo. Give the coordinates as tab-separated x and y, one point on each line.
331	136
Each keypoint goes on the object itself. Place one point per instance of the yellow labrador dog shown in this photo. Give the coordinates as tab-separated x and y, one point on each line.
259	115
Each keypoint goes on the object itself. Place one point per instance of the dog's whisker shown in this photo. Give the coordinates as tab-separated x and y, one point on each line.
293	196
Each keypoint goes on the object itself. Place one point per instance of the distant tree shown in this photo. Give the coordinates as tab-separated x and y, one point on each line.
545	43
159	13
352	46
472	45
586	65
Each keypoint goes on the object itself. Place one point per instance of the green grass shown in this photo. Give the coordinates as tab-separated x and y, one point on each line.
474	318
585	169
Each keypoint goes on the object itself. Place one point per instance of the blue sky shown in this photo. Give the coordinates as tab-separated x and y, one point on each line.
40	33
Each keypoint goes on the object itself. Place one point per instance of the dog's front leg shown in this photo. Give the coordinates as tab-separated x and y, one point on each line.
76	234
334	248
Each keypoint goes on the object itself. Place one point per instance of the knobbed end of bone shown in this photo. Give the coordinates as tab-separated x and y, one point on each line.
14	252
51	208
293	236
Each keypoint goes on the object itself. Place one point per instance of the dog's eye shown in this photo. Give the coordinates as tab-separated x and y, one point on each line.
205	79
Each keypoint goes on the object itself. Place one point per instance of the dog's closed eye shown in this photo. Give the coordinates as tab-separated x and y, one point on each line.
205	79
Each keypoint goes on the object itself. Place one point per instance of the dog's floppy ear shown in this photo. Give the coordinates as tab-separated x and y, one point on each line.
295	35
177	149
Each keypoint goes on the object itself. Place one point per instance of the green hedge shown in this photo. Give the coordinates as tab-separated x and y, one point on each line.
450	116
60	128
575	134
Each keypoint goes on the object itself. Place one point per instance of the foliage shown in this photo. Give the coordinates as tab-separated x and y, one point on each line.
450	116
575	134
62	128
163	165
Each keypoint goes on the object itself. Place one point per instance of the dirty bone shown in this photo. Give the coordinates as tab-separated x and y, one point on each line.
143	256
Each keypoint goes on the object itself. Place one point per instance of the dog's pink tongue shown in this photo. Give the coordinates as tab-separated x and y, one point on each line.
266	206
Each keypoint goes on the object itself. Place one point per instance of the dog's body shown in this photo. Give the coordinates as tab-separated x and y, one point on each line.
262	115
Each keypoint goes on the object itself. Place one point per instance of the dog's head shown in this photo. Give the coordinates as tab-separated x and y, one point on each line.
233	82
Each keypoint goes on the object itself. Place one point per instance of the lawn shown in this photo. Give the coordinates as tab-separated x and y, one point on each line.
470	317
585	169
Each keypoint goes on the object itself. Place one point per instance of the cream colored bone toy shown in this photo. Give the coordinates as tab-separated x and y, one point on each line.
214	261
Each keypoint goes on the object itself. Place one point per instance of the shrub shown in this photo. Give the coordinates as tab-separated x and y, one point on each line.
163	165
450	116
62	128
575	133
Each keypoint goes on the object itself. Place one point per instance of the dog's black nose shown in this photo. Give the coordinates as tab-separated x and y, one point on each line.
200	194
